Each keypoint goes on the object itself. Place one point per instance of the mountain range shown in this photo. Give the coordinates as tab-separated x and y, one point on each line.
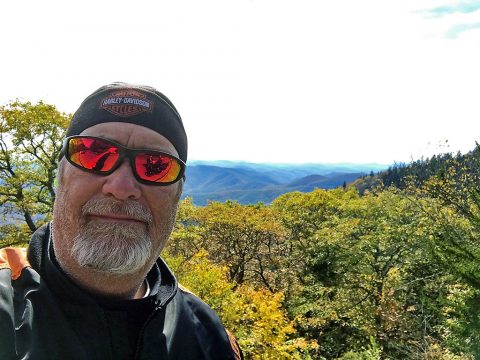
250	183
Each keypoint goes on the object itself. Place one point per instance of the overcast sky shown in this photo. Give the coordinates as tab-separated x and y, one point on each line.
265	80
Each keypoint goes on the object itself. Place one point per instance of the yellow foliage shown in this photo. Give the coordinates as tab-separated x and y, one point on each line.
255	316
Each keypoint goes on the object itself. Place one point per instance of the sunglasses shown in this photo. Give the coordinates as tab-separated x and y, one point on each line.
102	157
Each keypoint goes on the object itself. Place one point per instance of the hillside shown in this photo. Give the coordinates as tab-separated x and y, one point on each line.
400	175
251	183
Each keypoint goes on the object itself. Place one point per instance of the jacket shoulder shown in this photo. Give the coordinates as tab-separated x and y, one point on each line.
15	260
206	314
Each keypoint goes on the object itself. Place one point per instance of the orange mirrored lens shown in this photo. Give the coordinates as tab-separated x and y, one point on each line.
156	167
92	154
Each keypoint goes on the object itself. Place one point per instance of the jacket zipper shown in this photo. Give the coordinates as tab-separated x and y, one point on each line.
158	307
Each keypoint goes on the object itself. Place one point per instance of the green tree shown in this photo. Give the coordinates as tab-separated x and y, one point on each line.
30	142
451	202
454	205
303	214
369	275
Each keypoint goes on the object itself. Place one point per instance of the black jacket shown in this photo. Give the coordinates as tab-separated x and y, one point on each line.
43	315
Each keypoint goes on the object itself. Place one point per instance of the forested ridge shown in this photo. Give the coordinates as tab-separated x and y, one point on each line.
385	268
402	175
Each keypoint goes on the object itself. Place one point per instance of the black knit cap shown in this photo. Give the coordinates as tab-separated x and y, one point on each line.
135	104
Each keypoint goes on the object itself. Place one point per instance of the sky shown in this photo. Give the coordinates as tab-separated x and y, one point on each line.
372	81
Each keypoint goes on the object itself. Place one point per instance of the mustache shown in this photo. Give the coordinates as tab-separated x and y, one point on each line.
129	208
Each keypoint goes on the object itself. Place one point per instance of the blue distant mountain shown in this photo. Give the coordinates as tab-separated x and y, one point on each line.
250	183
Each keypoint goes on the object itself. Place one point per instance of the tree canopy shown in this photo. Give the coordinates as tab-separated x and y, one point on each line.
30	141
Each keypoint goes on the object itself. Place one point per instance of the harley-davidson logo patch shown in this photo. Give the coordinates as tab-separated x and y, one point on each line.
126	103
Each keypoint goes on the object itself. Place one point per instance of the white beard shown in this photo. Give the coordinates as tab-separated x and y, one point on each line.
112	248
115	248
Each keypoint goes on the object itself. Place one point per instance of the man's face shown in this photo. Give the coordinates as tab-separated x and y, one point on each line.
113	223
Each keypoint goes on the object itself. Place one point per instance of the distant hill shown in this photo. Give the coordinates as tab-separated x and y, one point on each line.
207	178
331	181
308	180
250	182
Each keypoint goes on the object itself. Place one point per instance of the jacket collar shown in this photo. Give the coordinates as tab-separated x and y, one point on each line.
42	258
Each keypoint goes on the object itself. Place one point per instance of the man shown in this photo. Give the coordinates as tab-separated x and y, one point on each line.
91	284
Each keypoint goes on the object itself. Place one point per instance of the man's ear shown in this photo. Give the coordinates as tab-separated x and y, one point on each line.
180	187
59	175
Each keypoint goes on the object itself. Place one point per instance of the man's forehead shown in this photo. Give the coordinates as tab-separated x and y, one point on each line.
131	135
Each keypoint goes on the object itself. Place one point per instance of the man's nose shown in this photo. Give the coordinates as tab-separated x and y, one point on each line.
121	184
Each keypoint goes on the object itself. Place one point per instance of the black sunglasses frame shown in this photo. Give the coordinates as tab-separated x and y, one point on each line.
123	153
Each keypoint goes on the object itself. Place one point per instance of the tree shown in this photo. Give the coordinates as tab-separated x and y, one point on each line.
369	276
30	141
451	203
303	214
255	316
248	239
